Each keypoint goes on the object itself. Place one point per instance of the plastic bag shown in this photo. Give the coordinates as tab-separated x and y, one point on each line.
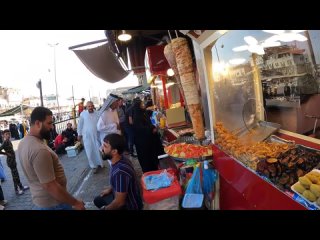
193	197
194	184
156	181
208	180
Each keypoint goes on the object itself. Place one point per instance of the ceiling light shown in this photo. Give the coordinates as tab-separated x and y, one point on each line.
124	36
286	36
252	46
170	72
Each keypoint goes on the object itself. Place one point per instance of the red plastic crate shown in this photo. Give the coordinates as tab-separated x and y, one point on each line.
153	196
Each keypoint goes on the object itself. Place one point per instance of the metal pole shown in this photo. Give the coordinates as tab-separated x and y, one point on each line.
55	73
74	105
39	85
74	110
41	97
55	76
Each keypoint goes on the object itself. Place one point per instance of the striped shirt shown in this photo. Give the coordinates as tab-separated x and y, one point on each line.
123	179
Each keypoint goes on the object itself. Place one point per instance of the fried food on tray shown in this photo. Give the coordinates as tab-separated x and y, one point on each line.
305	182
299	188
309	195
315	189
248	154
314	177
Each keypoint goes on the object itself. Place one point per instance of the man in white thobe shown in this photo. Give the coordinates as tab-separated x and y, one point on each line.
108	121
87	132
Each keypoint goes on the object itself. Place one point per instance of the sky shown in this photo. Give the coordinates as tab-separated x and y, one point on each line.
26	57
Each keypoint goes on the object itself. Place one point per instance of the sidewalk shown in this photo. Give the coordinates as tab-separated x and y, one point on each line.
82	183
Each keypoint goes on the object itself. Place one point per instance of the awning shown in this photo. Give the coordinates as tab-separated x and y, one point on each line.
102	62
137	89
14	111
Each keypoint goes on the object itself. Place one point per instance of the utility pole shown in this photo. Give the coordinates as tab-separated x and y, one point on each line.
39	85
74	110
55	73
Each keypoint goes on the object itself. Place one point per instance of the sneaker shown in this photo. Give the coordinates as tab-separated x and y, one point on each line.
25	188
2	207
3	202
19	192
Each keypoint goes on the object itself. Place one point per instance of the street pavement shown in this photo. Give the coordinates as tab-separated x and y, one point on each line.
82	183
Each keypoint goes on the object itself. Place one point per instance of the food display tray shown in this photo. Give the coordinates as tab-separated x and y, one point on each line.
201	159
258	132
311	203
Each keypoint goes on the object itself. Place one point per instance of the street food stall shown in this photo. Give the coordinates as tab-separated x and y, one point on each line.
262	163
165	89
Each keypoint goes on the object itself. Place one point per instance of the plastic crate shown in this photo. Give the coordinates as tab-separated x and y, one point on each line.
154	196
72	151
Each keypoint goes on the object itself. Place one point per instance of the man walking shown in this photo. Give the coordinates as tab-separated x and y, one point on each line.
109	121
87	132
41	166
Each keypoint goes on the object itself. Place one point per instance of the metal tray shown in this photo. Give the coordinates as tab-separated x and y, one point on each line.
311	203
258	132
191	140
274	138
201	159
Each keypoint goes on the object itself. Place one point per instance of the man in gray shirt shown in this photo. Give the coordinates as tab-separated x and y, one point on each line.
41	166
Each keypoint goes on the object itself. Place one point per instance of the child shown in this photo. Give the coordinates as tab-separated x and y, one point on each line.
11	162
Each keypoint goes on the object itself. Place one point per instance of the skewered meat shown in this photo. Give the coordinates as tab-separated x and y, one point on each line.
169	54
185	68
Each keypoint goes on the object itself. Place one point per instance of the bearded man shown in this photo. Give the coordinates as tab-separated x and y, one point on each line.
88	135
42	167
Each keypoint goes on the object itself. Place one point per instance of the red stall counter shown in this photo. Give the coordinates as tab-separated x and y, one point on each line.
242	189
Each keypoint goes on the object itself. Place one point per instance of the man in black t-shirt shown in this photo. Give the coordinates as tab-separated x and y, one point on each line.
71	134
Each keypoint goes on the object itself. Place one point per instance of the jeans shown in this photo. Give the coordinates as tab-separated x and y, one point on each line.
105	200
61	206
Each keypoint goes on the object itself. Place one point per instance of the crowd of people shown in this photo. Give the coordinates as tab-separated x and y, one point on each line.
111	133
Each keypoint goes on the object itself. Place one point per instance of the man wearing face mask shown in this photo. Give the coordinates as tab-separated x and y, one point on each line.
41	166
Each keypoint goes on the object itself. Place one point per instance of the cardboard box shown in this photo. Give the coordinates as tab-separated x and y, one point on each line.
175	117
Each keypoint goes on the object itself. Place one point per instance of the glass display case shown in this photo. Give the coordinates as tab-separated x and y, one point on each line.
254	76
278	69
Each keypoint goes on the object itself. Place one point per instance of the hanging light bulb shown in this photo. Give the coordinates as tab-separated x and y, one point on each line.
124	36
170	72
